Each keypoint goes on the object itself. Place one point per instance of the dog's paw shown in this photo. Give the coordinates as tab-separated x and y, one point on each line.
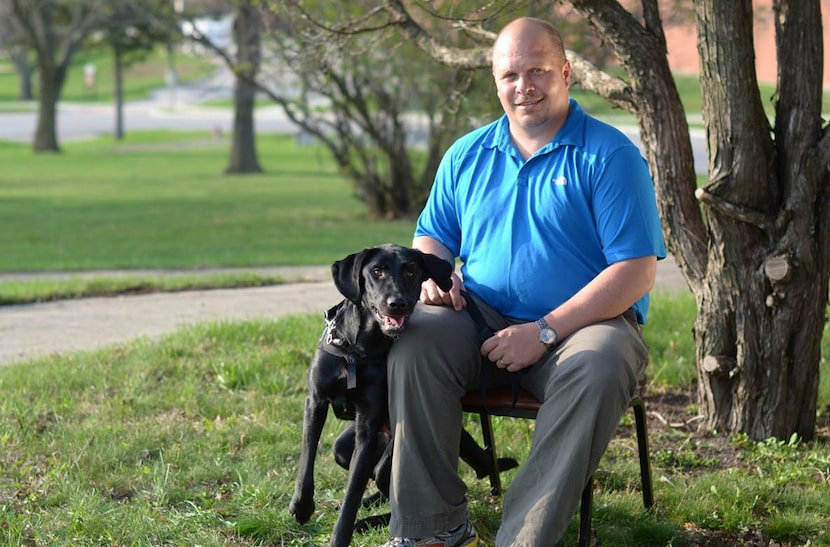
301	507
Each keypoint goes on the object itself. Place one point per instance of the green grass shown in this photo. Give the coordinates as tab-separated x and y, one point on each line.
159	200
672	346
194	440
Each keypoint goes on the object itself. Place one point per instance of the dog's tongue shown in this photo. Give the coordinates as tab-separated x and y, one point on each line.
396	321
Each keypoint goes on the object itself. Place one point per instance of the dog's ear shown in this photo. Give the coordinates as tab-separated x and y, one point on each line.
346	275
438	269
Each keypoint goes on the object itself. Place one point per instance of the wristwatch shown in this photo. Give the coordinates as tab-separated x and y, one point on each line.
547	335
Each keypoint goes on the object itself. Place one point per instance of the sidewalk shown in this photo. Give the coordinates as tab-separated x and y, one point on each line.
35	330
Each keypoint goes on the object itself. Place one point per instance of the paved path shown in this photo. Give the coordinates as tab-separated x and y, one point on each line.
34	330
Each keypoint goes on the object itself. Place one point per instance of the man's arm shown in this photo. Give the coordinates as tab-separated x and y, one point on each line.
608	295
430	292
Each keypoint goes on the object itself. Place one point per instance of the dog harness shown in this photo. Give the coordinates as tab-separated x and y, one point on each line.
335	342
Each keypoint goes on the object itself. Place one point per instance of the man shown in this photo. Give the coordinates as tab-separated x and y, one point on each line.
553	216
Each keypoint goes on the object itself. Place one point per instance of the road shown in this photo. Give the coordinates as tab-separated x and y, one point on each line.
176	108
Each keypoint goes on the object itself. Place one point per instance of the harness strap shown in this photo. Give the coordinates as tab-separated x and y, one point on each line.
351	372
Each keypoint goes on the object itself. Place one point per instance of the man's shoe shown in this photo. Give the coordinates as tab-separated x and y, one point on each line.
463	536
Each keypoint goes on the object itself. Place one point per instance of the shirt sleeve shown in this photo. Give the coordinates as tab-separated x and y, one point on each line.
625	208
439	218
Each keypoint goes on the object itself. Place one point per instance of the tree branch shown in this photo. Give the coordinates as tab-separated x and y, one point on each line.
348	28
651	18
738	212
455	57
612	89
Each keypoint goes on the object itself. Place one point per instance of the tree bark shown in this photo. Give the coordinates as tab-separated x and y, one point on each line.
247	30
51	82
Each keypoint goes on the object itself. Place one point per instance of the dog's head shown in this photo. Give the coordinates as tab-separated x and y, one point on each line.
387	280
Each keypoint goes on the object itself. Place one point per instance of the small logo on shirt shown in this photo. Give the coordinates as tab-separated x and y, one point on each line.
561	181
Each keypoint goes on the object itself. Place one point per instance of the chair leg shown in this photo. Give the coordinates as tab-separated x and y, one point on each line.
490	447
586	507
585	514
642	444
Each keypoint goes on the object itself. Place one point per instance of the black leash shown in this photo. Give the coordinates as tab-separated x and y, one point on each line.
485	332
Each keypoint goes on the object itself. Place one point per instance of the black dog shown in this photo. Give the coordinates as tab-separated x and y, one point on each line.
348	371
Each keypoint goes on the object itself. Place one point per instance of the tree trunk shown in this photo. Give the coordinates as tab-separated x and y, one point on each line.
55	34
118	92
762	303
243	157
759	261
247	32
51	82
24	74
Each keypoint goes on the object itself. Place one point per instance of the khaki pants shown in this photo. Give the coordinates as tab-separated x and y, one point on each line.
585	385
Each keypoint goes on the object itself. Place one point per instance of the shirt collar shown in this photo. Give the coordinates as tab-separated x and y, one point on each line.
572	132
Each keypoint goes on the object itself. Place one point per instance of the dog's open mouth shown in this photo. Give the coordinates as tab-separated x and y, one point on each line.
391	325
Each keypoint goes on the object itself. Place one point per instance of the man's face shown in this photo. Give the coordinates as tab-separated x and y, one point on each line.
532	82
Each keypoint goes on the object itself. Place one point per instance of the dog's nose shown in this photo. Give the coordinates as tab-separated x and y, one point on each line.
396	304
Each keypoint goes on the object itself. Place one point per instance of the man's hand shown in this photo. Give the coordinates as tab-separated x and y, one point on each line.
432	294
515	347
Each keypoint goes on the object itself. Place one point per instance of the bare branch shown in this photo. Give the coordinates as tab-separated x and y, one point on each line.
462	58
347	28
606	86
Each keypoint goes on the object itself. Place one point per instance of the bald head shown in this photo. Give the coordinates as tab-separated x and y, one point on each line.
527	32
532	79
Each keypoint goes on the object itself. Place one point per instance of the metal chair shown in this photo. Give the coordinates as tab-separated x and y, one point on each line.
499	402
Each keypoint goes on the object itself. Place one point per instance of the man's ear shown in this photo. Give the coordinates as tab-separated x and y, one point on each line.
438	269
347	277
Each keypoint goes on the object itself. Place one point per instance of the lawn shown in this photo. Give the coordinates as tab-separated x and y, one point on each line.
194	439
160	200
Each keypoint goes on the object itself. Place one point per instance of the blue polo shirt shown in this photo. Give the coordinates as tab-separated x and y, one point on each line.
530	234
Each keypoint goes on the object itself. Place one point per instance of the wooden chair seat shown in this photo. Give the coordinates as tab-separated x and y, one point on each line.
499	402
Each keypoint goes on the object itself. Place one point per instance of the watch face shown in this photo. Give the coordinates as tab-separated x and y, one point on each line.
547	336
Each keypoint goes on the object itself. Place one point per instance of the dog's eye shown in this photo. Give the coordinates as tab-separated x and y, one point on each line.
377	272
409	274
